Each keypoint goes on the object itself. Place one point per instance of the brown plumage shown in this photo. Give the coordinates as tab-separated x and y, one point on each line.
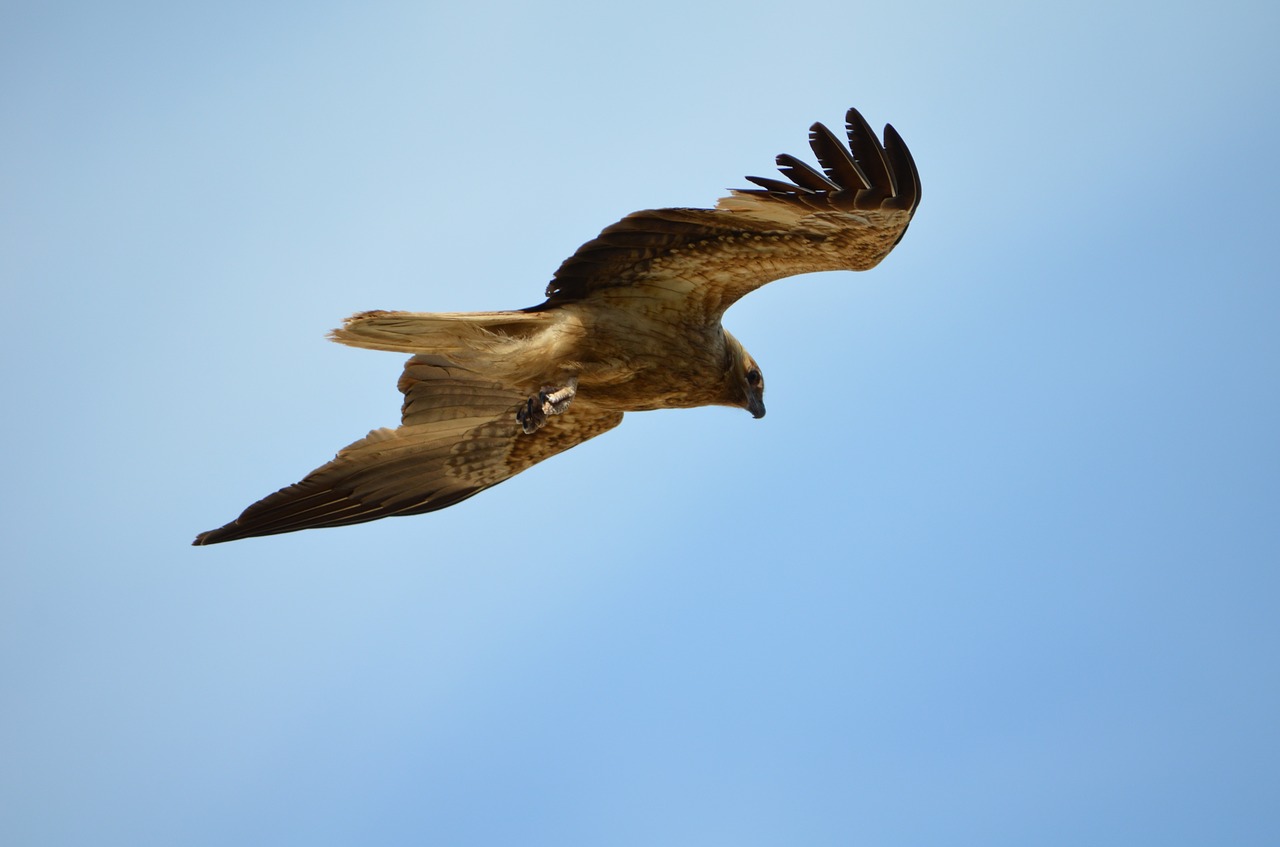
631	323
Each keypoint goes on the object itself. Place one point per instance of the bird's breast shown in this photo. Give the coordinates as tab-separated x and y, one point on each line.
640	365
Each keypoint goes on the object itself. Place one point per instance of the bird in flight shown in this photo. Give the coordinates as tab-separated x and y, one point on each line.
631	323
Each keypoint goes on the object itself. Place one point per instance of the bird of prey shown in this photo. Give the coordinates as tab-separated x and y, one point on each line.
631	323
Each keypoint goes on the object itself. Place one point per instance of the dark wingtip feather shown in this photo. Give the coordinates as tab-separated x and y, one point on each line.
836	160
778	185
215	536
870	156
907	196
803	174
866	174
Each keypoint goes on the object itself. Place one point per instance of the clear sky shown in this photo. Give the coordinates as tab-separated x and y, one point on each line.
1000	567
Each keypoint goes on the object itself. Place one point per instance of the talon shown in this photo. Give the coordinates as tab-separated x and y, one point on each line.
550	401
531	417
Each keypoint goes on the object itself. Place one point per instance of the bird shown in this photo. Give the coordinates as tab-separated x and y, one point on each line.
631	323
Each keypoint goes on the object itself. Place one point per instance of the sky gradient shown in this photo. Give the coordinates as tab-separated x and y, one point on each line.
1000	567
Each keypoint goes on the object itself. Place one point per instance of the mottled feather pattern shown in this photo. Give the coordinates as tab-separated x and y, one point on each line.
847	217
459	437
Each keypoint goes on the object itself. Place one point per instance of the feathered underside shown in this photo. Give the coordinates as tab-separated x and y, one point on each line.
644	297
848	216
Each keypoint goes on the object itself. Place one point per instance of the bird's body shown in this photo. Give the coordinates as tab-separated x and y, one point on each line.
631	323
624	360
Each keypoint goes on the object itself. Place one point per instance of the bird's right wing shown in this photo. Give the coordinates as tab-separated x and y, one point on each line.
459	435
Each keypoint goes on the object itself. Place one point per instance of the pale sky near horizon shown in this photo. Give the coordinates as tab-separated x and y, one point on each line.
1000	566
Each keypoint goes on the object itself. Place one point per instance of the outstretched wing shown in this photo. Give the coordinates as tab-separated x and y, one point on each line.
458	436
848	216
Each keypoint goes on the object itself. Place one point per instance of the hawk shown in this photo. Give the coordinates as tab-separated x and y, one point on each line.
631	323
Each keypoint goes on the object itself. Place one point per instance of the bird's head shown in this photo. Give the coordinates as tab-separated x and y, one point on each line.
745	382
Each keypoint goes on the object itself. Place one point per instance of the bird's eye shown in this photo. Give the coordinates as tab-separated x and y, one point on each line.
753	377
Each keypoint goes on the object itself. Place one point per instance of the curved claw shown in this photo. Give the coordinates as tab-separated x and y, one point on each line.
550	401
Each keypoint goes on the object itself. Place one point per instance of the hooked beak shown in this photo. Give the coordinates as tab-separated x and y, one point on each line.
755	406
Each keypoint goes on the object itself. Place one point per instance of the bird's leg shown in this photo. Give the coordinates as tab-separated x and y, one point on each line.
551	400
556	400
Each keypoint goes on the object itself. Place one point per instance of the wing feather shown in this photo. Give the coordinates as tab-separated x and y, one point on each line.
847	216
781	187
838	161
870	159
907	197
458	436
803	174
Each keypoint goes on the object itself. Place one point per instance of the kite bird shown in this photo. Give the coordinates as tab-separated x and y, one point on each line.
631	323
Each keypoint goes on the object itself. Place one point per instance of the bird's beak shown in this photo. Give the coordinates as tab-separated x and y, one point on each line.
756	407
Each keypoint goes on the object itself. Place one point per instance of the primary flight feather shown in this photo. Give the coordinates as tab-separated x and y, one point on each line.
631	323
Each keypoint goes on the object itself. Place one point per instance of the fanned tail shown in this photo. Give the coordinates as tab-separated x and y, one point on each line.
449	333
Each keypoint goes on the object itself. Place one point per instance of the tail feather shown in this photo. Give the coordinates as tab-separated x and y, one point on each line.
456	333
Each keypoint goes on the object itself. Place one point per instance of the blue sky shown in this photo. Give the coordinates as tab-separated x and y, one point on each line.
999	567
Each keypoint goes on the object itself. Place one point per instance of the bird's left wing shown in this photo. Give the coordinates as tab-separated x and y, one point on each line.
847	216
459	436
